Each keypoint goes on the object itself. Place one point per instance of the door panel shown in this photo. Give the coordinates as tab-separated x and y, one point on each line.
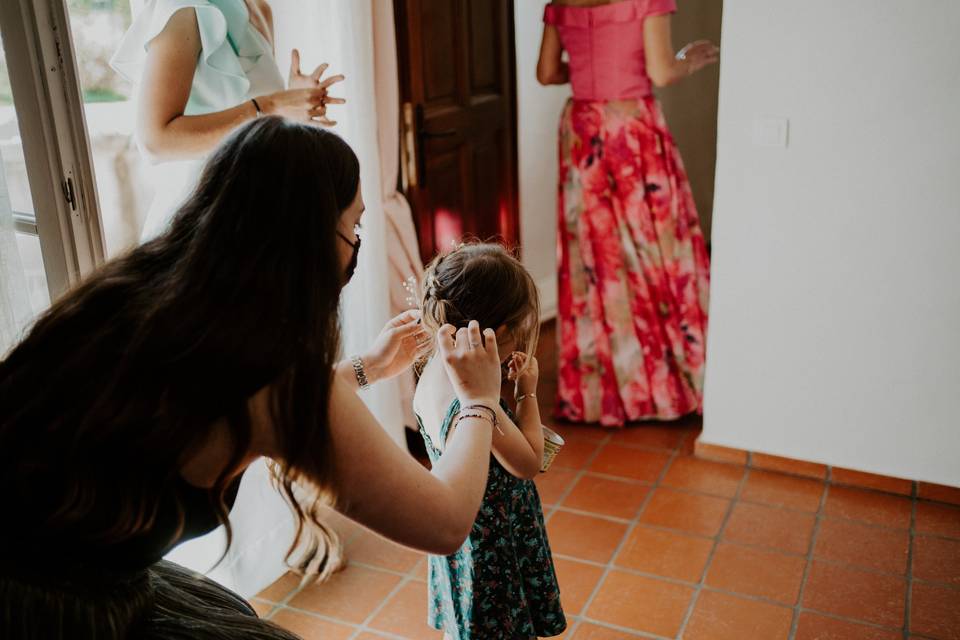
458	87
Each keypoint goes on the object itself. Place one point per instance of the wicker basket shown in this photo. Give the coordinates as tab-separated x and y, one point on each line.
552	443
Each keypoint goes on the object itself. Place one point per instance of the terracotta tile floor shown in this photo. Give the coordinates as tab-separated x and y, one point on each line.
652	543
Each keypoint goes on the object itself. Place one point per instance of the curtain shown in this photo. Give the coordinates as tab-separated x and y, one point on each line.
357	39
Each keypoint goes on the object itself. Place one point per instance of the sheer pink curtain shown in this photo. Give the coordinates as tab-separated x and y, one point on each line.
403	252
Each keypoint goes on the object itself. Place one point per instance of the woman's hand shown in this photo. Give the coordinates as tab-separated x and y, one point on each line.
306	99
472	363
524	373
299	80
698	55
402	341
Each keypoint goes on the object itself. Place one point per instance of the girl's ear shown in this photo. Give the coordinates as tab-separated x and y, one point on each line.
503	333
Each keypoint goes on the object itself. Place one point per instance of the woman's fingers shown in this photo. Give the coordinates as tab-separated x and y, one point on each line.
331	100
294	62
318	72
332	80
410	315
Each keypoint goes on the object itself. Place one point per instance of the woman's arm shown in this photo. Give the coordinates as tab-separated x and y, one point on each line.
384	488
663	66
163	130
401	343
551	69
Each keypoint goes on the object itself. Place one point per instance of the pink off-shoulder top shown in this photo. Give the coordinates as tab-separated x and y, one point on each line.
605	45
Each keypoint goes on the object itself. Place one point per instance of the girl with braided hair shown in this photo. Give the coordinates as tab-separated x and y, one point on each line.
501	582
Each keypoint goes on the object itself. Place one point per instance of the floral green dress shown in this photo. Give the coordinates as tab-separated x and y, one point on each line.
501	583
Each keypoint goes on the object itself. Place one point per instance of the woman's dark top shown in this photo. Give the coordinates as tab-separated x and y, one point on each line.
31	553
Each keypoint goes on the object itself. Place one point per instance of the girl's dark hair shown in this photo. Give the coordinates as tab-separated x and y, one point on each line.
124	376
482	282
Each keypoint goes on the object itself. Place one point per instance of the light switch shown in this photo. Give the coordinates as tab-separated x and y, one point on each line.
771	132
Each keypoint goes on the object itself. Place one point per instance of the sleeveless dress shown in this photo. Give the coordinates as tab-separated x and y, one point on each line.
634	271
501	583
236	63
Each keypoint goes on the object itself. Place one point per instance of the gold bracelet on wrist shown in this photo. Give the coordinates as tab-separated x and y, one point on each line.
525	396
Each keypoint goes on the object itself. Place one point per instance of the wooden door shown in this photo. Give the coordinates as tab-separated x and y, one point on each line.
458	93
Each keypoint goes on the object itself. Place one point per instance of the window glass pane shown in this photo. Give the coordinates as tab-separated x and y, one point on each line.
23	283
11	150
122	186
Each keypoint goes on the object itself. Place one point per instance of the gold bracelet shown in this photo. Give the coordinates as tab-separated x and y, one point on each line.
525	396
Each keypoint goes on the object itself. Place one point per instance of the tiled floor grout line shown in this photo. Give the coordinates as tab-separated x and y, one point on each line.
863	523
563	496
795	623
580	473
365	625
314	614
698	589
706	587
628	630
626	535
908	600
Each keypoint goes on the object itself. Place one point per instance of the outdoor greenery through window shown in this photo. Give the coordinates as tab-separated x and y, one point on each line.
98	26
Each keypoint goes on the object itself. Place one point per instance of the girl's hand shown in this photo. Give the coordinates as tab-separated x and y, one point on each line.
698	55
524	373
402	341
472	363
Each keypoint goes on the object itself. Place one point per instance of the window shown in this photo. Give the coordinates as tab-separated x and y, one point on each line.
123	186
49	227
23	283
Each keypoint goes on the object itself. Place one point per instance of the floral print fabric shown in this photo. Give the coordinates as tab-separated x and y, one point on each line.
633	268
501	583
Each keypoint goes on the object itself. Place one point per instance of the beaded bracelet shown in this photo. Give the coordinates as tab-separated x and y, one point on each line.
491	415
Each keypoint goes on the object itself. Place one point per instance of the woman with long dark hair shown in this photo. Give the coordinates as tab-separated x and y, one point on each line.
131	408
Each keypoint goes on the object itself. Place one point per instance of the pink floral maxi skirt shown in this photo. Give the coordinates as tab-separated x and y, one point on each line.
634	272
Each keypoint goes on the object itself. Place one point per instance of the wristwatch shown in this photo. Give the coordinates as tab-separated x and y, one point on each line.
359	371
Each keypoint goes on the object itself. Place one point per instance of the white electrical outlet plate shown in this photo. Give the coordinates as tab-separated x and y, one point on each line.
771	132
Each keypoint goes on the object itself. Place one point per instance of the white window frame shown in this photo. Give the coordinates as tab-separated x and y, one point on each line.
49	106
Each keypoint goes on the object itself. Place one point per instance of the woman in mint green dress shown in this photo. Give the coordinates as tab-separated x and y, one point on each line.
202	68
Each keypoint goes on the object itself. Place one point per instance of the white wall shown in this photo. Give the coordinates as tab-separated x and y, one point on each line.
835	316
538	115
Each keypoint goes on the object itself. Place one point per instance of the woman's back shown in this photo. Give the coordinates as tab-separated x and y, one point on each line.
606	46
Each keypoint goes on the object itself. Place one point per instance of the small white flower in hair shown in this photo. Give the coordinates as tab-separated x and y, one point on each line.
410	284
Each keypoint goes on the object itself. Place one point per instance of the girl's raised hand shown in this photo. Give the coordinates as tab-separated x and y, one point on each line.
472	363
524	372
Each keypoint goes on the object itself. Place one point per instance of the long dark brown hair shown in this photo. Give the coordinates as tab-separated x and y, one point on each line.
125	375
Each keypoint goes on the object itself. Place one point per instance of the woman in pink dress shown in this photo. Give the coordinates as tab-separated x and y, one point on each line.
633	265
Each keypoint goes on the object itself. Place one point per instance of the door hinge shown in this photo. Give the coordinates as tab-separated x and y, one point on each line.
69	195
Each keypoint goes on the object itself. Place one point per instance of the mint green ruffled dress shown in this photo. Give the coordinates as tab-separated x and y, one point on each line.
236	63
